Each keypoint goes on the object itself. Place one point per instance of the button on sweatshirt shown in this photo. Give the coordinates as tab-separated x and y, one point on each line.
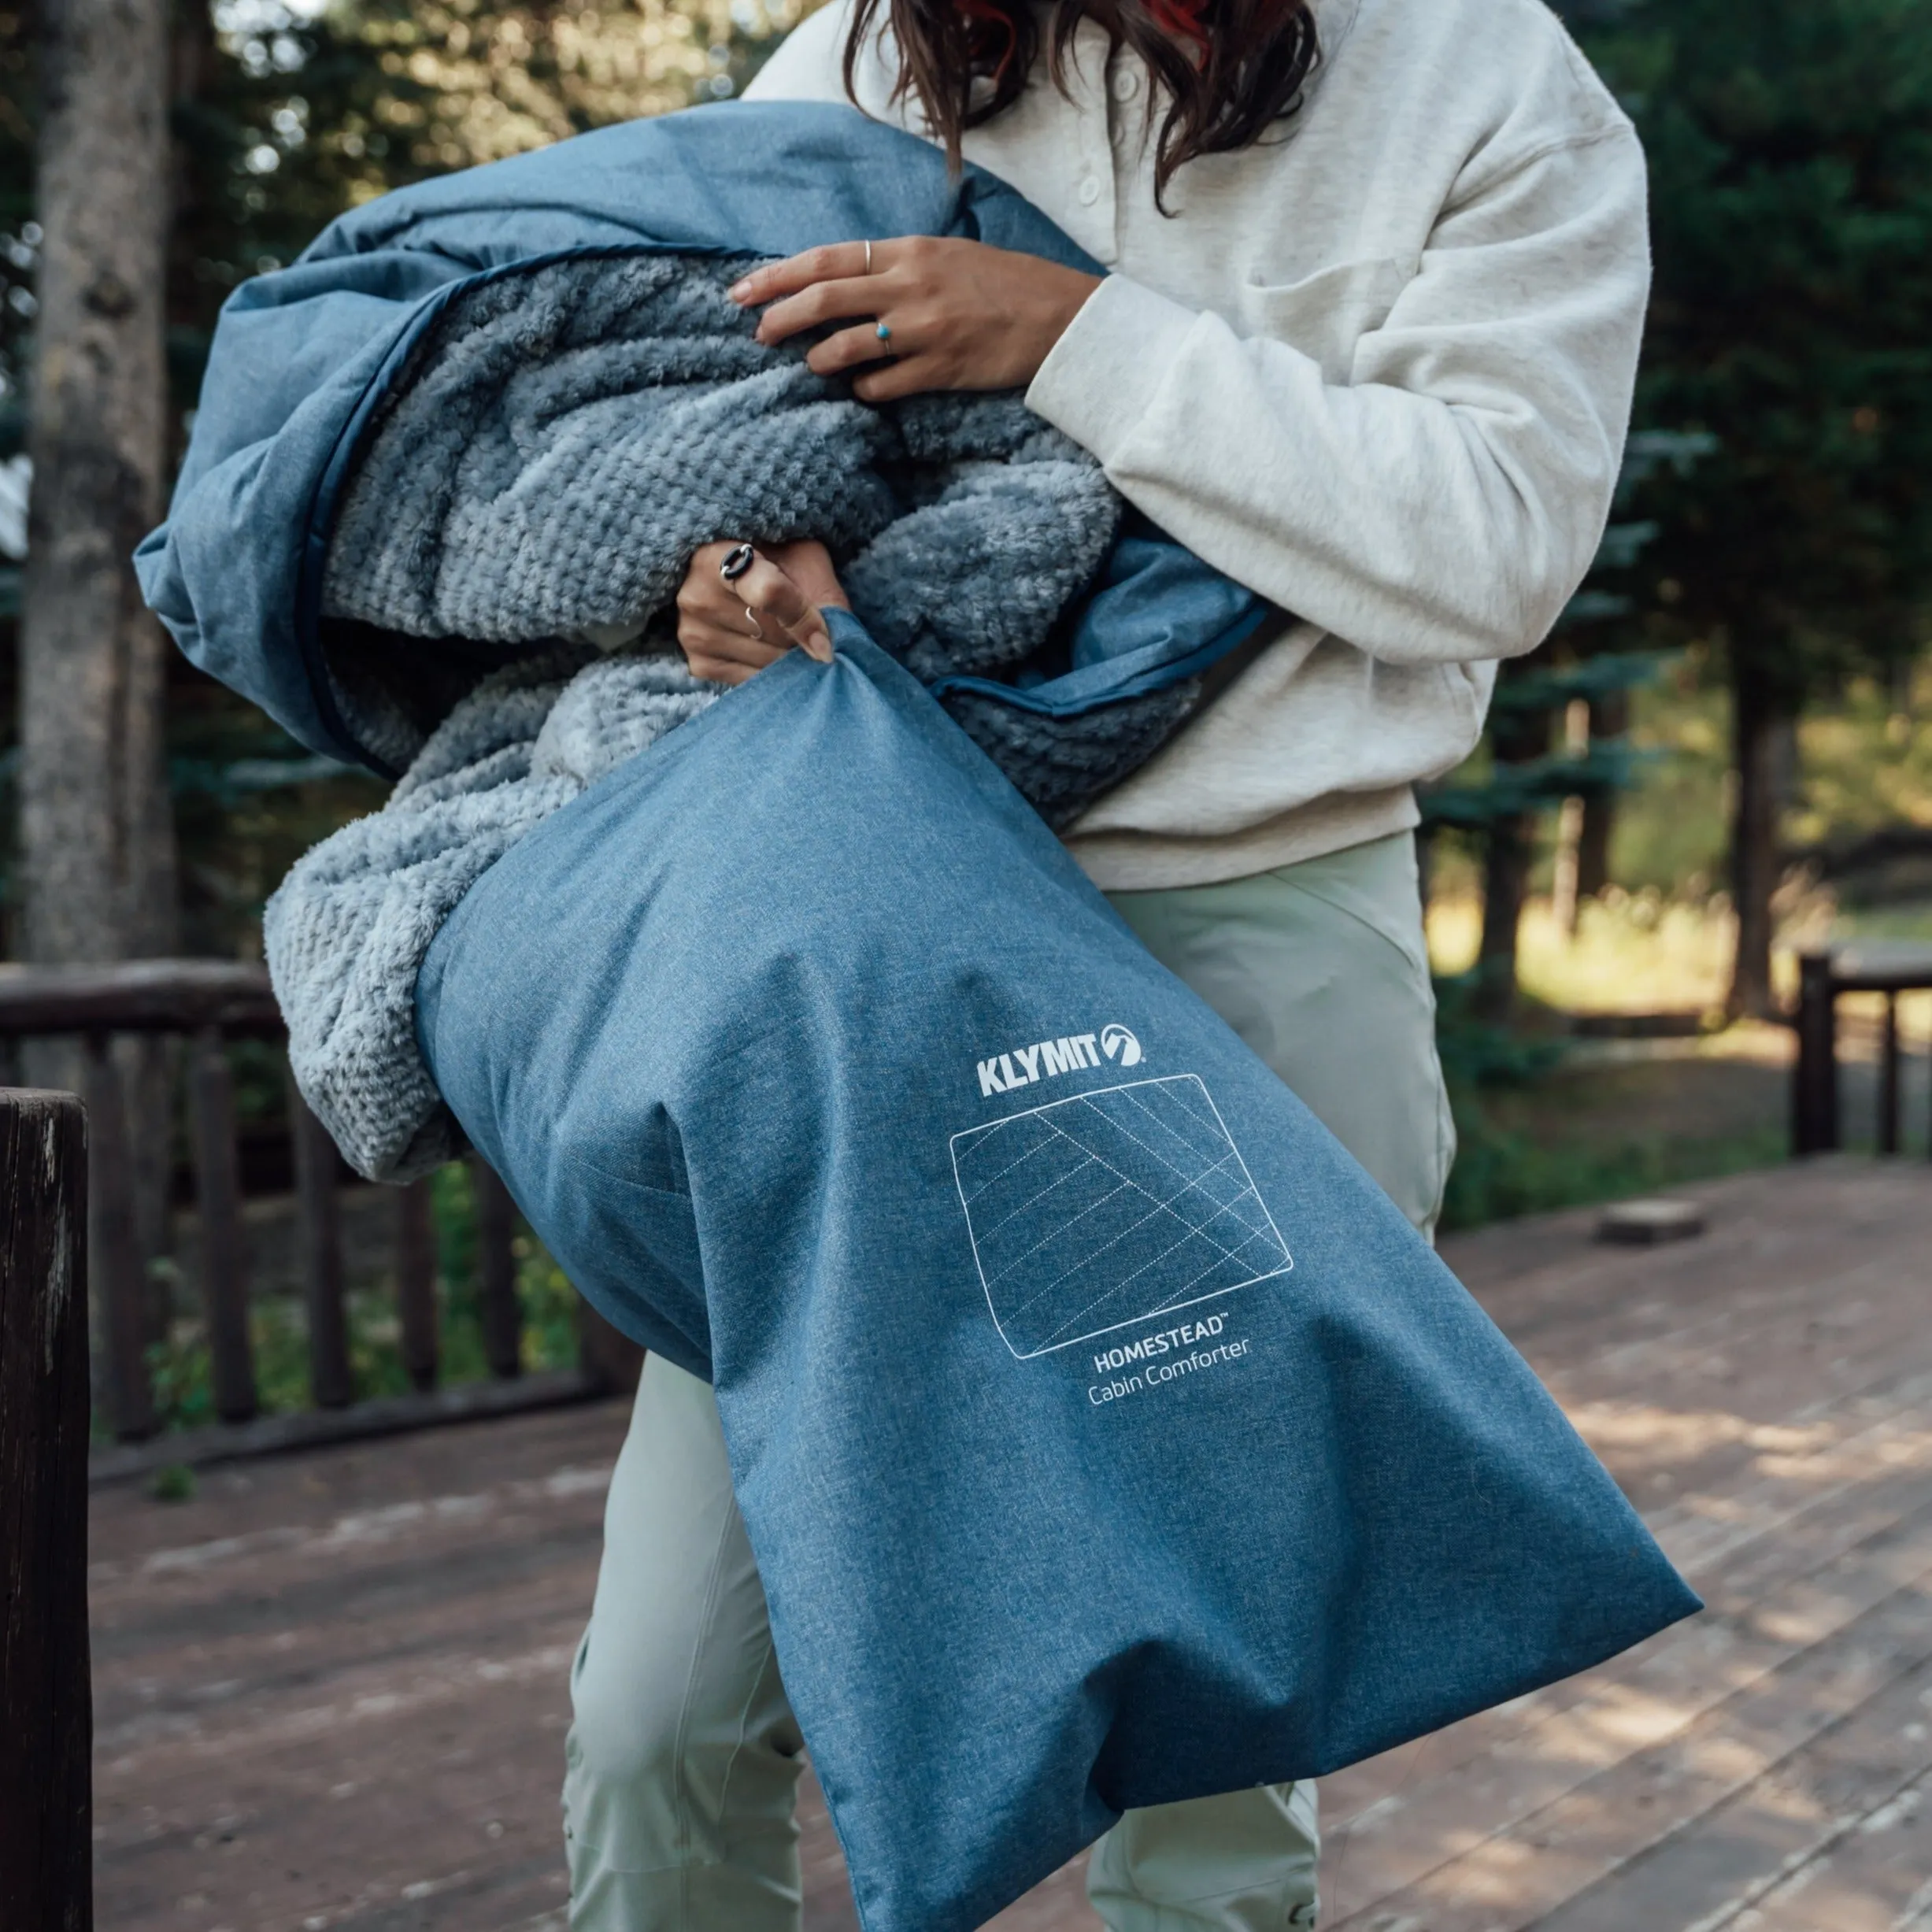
1377	367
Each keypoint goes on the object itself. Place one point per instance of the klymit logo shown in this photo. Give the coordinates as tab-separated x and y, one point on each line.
1024	1065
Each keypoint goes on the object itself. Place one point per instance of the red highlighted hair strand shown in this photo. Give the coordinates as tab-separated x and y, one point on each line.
1225	71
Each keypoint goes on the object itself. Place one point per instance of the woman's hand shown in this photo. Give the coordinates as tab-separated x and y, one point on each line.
729	630
943	314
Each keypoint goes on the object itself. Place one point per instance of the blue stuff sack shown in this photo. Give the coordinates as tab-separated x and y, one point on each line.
1105	1436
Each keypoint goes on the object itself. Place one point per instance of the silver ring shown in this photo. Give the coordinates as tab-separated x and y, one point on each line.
868	257
757	629
736	561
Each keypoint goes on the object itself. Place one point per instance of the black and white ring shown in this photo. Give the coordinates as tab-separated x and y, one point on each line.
738	559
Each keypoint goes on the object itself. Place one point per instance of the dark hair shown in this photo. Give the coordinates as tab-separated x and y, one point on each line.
1230	68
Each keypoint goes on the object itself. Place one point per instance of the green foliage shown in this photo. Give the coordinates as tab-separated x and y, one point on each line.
1503	1171
1508	1165
1478	1055
174	1483
1511	789
294	112
278	1325
1790	150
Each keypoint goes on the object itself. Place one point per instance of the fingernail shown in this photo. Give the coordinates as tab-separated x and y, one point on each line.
819	645
740	291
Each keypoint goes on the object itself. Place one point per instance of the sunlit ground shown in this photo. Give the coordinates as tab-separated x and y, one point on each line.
1631	954
1637	952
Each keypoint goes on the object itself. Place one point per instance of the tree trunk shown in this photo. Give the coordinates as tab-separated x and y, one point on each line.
1609	719
1764	742
1505	885
96	830
1515	738
1566	867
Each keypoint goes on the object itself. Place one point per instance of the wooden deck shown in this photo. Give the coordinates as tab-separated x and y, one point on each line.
330	1689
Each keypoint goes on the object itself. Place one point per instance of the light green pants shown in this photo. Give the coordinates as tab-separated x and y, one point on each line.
684	1760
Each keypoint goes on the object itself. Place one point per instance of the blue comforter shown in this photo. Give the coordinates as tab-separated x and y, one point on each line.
305	361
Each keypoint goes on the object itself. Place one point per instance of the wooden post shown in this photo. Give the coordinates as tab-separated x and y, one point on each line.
46	1725
1888	1080
1815	1077
225	1259
415	1282
319	1230
117	1269
496	1270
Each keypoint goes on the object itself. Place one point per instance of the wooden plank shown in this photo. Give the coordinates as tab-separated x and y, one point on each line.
139	996
120	1282
335	1686
308	1429
1870	1877
1600	1828
1719	1870
496	1271
45	1711
1448	1805
1888	1078
415	1282
1814	1539
1487	1773
330	1384
1815	1076
224	1256
285	1674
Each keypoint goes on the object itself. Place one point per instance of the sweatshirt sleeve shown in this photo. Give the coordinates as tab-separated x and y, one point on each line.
1438	490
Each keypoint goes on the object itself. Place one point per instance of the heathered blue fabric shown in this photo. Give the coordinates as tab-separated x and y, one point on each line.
303	360
720	1023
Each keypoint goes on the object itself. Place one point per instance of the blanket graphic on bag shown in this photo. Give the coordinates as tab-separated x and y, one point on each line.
1110	1208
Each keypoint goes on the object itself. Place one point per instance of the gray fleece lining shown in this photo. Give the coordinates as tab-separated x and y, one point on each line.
560	444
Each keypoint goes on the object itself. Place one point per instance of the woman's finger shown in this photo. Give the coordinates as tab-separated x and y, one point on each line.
912	376
848	349
752	621
823	302
775	599
833	261
725	655
743	606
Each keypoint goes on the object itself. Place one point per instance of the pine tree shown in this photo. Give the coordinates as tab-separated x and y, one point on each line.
1790	150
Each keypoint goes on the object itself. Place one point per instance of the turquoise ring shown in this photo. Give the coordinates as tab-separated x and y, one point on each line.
882	331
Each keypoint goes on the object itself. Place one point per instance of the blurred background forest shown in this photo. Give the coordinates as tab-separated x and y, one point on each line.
1721	756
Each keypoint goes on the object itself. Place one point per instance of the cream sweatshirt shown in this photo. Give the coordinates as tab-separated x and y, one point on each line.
1376	367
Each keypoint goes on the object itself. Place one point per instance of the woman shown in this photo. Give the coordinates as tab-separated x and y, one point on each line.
1376	274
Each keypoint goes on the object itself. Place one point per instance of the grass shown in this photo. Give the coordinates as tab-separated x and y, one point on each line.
1632	953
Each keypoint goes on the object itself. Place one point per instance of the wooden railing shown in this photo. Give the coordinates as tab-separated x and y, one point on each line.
1873	966
46	1709
210	1004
